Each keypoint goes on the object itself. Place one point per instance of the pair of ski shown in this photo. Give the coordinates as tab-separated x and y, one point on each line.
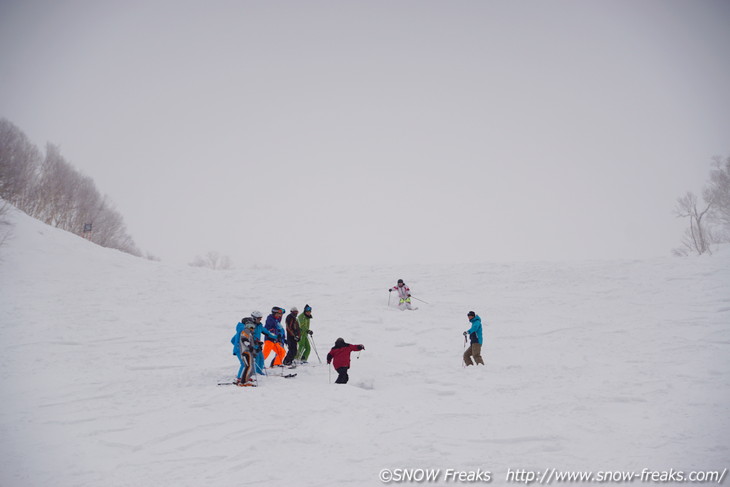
284	376
287	376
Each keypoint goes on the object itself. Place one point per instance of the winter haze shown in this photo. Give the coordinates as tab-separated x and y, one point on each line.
309	132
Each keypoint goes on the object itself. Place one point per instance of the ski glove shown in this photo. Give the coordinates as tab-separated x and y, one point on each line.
466	333
390	290
311	333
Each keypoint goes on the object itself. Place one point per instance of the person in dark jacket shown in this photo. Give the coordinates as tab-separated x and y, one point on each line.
293	335
475	337
339	357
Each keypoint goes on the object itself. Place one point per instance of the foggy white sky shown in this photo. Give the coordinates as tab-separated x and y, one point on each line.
309	132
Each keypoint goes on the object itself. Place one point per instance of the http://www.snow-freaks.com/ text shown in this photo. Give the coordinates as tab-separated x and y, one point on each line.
549	476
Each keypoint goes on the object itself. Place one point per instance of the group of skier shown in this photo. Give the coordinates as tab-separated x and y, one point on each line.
291	342
252	351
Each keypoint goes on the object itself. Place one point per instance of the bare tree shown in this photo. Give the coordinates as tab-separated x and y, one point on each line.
54	194
5	229
709	220
226	263
698	237
110	231
19	163
213	260
718	191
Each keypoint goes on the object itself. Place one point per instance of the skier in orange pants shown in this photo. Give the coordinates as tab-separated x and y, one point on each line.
273	325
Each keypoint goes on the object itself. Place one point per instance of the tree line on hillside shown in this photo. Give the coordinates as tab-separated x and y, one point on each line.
4	223
709	215
49	188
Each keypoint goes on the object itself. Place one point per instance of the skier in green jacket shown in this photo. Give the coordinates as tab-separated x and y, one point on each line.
304	347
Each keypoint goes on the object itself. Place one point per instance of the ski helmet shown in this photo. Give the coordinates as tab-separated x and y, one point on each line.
307	308
400	281
339	342
294	308
257	314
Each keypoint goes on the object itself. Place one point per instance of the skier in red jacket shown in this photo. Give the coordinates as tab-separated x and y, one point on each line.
339	357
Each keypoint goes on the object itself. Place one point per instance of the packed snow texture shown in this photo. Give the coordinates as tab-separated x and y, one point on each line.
109	367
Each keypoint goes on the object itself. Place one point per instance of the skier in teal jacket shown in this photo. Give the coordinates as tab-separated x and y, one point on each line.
258	329
244	347
475	337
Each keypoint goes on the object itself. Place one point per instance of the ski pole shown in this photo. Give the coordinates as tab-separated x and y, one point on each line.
463	363
421	300
315	348
389	294
329	369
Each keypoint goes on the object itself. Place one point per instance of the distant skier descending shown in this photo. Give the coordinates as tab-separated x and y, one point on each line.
475	337
404	293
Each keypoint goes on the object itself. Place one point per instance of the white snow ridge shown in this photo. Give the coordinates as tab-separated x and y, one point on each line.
109	367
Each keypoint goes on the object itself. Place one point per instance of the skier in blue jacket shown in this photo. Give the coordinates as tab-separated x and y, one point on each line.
258	329
258	316
275	344
475	337
245	349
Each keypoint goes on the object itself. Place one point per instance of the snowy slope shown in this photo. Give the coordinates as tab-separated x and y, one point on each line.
109	365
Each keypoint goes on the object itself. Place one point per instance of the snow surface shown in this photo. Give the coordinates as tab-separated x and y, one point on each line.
109	366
